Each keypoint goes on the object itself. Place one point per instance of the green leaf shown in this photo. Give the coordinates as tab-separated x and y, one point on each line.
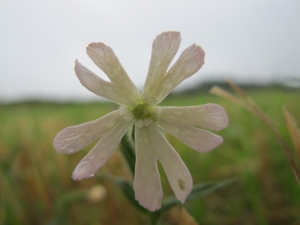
198	190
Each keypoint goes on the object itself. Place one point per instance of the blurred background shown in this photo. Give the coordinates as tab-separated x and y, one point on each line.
253	43
248	41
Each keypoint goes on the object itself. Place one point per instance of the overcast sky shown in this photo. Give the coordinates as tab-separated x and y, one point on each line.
249	40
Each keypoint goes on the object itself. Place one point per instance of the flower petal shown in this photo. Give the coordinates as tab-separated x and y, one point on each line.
101	152
197	139
210	116
101	87
105	58
178	174
147	186
75	138
164	48
189	62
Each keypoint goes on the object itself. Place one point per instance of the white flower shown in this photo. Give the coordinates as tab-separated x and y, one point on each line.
141	110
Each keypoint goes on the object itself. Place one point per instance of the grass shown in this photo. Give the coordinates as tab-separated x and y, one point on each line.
35	180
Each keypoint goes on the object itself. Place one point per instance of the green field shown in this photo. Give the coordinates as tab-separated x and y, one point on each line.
35	179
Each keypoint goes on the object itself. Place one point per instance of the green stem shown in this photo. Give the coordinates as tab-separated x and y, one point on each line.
128	151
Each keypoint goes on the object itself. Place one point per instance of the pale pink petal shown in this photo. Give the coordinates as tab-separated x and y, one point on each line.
104	57
210	116
75	138
189	62
101	152
196	138
147	186
164	48
178	174
101	87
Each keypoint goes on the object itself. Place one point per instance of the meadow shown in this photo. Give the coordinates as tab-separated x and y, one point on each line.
37	188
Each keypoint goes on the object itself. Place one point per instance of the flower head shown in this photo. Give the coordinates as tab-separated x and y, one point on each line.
148	118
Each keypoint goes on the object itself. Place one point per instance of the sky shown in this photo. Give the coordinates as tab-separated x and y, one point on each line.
246	41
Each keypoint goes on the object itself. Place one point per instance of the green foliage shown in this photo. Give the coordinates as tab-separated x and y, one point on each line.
33	176
198	190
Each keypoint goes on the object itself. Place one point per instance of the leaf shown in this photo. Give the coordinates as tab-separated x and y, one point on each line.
198	190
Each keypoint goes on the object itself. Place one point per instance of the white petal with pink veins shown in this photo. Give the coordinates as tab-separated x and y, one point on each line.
177	173
147	186
164	48
100	87
210	116
104	57
74	138
189	62
196	138
101	152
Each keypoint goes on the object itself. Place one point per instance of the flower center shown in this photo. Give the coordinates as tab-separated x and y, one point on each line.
142	114
142	111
